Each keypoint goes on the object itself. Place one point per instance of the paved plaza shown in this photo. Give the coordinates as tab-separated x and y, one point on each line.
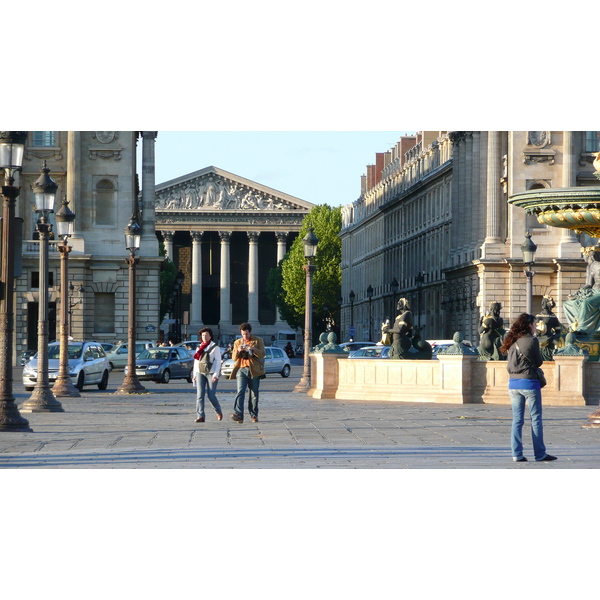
157	430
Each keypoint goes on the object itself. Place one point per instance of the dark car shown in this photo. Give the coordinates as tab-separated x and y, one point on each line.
163	364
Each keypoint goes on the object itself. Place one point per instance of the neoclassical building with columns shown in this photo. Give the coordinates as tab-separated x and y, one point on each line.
225	233
433	216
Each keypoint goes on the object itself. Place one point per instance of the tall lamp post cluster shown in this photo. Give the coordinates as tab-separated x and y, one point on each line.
310	242
528	249
12	149
133	236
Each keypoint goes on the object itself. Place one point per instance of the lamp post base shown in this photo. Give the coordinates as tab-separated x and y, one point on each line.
10	419
42	400
63	387
303	385
131	385
593	420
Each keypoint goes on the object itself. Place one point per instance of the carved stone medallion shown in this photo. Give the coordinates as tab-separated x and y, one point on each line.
105	137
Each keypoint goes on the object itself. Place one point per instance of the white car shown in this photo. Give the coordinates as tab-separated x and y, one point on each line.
117	357
88	365
276	361
371	352
353	346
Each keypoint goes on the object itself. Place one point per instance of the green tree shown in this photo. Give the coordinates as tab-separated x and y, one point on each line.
168	272
327	279
277	296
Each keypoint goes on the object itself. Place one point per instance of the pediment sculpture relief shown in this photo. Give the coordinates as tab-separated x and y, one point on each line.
216	194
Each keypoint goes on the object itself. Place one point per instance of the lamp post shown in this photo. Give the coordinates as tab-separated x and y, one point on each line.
310	242
352	297
528	249
419	280
394	285
12	148
64	228
370	297
42	398
72	304
133	234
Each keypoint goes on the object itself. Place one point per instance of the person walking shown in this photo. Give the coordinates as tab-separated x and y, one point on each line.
248	354
523	358
207	367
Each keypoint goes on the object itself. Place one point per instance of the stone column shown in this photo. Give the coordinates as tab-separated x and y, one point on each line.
253	277
196	307
569	245
494	197
74	187
225	305
168	237
281	248
149	243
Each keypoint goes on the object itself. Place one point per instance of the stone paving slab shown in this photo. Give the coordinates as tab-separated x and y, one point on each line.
157	430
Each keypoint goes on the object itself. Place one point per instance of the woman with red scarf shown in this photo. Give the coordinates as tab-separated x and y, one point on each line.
207	367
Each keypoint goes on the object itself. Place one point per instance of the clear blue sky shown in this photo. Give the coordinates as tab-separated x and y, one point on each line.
322	167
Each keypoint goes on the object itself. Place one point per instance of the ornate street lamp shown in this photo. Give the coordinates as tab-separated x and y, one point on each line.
42	398
528	249
419	280
133	235
12	148
310	242
394	285
370	297
352	297
64	229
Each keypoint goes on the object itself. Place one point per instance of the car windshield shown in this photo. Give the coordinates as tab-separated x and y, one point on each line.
73	351
154	354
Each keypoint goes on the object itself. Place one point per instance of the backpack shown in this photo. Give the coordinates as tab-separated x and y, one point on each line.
205	364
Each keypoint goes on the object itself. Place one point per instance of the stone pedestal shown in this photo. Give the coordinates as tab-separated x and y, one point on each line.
324	374
567	386
456	376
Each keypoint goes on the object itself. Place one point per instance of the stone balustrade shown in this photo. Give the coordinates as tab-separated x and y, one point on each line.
455	379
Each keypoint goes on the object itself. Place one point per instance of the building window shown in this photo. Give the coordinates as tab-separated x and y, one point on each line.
35	279
44	138
104	312
105	200
592	141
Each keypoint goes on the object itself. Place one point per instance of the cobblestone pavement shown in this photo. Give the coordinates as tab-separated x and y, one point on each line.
157	430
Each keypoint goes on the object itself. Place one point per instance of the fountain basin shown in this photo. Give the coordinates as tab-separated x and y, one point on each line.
576	208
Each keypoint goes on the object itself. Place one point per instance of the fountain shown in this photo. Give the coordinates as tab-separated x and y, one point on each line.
578	209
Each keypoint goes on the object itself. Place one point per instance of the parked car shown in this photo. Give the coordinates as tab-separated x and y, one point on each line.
88	365
25	356
276	361
192	346
163	364
352	346
437	345
107	347
117	357
371	352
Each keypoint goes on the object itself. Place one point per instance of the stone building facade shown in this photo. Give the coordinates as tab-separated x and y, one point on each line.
96	171
433	216
225	233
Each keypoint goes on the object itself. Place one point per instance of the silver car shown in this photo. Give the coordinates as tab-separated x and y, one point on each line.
117	357
276	361
371	352
88	365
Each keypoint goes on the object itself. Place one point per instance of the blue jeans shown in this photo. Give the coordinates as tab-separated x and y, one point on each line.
245	380
534	401
204	384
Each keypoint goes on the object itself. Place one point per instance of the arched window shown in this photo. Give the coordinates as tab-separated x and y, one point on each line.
531	221
105	202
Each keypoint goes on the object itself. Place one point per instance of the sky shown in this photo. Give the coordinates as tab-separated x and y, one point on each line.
322	167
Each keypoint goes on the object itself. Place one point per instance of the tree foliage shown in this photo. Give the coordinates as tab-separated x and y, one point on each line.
327	279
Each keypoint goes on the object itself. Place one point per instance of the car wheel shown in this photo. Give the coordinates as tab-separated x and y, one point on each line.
190	378
111	366
80	381
29	389
166	376
285	372
104	383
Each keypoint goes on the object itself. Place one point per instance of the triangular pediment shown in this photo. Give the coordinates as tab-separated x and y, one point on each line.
213	189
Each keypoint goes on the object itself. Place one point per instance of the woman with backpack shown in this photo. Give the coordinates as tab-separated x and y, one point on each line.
207	368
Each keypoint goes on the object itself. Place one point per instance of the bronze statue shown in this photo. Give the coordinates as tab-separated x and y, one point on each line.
402	330
548	327
492	332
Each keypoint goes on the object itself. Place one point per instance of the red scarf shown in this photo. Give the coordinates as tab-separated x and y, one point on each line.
201	348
